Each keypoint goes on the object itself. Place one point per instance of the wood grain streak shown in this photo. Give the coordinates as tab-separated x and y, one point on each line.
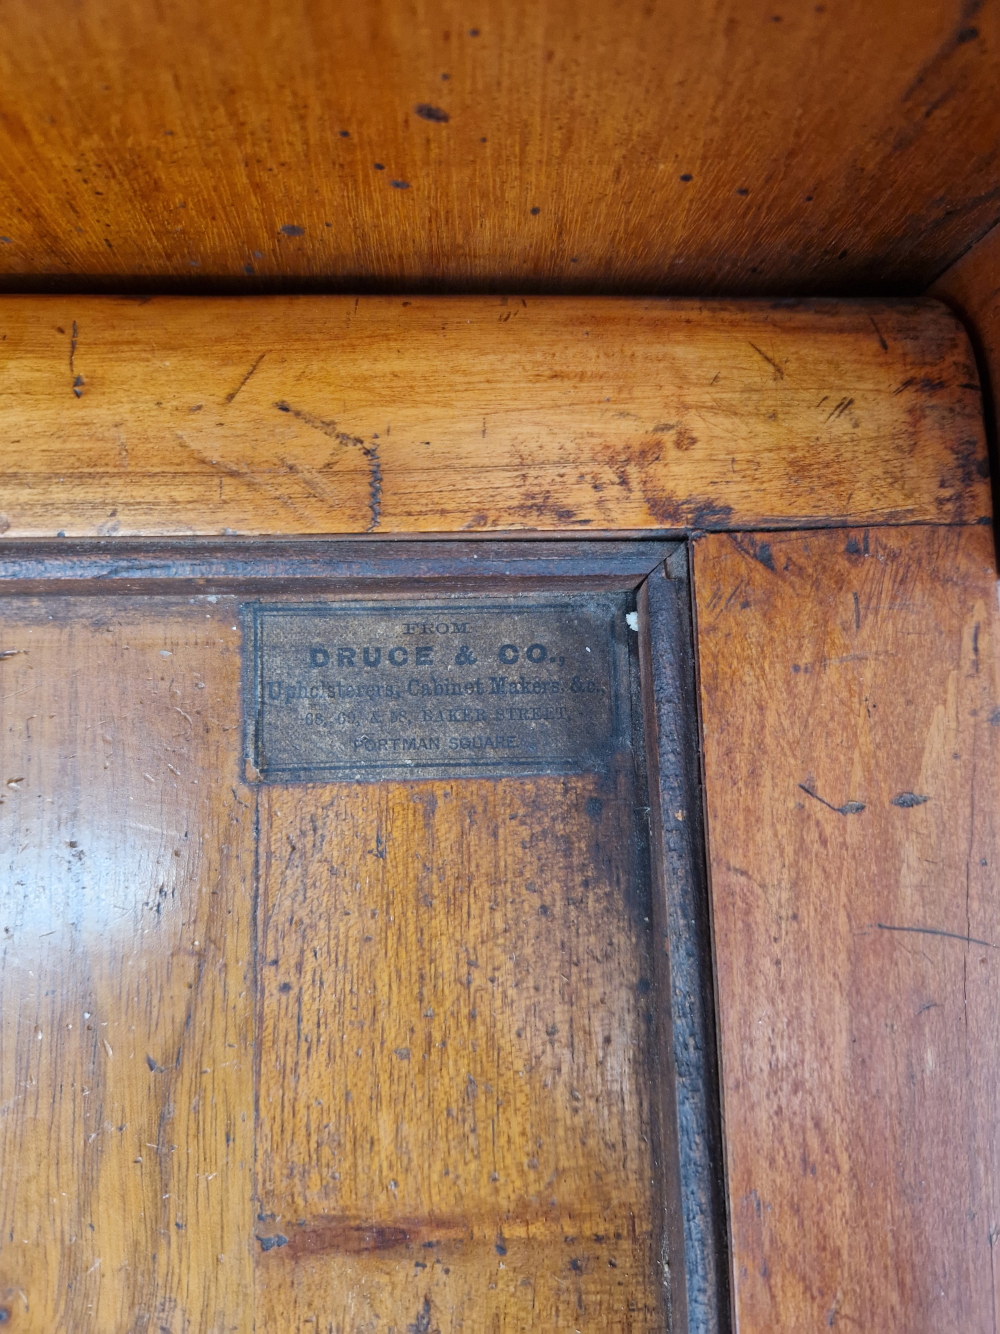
304	416
850	688
561	145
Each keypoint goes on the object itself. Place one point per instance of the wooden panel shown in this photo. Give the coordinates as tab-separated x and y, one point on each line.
308	566
455	1059
691	1166
336	415
972	287
851	699
558	145
126	1071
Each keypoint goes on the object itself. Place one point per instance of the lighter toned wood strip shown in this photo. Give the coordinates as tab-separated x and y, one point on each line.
341	415
126	1074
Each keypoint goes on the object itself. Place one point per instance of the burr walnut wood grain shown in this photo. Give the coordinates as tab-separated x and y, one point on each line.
290	416
851	706
561	145
126	987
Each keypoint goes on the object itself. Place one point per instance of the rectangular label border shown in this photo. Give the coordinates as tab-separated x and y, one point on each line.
253	614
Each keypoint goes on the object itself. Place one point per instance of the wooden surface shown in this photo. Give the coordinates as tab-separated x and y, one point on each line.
693	1154
851	711
637	146
344	415
972	288
305	1057
126	984
251	566
454	1085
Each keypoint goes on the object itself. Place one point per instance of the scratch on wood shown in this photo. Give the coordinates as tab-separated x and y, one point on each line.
312	481
230	397
374	486
841	408
250	478
878	334
848	808
318	424
963	33
770	361
759	551
78	380
933	931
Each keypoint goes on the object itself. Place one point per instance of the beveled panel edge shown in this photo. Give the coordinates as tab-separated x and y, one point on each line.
315	565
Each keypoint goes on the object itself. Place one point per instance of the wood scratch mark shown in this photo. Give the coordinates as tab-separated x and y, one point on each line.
318	424
841	408
311	480
933	931
878	334
250	372
770	361
848	808
374	487
78	380
961	34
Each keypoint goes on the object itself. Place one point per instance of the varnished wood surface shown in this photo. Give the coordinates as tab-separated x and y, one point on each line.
637	146
126	978
693	1150
972	288
454	1083
313	565
307	1057
851	712
320	415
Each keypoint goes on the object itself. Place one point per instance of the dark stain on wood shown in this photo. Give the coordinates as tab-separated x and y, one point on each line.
327	1234
428	112
907	800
